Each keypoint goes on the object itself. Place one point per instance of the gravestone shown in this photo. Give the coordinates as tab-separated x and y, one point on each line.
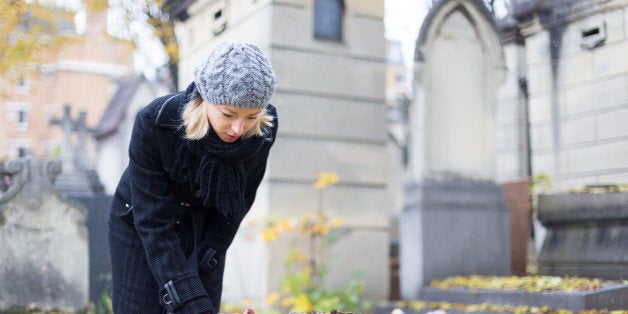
44	253
455	221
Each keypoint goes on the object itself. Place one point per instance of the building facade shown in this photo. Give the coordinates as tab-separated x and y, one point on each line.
113	132
83	75
575	76
562	109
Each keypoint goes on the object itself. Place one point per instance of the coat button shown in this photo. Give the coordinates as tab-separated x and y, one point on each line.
212	263
198	193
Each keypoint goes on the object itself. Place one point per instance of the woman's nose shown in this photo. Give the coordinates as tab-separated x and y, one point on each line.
237	127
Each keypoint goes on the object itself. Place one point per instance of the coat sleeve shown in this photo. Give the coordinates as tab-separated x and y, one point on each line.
258	162
181	288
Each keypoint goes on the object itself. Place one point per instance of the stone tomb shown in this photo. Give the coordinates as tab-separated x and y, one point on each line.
587	235
455	221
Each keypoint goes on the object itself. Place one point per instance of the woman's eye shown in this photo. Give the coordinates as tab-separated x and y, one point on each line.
252	118
226	115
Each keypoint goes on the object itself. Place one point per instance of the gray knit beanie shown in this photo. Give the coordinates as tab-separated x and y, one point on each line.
236	74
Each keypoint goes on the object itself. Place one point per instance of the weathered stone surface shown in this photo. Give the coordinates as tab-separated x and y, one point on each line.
576	90
44	255
320	123
301	158
587	235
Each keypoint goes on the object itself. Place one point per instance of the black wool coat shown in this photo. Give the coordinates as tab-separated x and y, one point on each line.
167	248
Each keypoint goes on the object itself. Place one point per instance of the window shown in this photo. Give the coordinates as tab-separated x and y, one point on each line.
22	120
18	114
593	35
220	18
328	15
21	116
22	85
18	147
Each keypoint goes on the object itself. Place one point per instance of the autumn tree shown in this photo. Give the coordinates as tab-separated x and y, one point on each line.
30	32
33	32
164	30
151	13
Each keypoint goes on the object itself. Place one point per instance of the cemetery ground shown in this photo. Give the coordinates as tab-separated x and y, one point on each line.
488	294
516	294
499	294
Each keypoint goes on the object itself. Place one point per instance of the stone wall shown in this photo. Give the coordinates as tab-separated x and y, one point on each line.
577	74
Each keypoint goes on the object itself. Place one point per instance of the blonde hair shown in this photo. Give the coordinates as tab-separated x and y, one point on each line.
197	125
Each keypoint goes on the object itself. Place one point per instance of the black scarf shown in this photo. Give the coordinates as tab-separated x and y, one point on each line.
216	170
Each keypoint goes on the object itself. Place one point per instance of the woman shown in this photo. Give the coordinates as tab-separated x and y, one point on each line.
196	159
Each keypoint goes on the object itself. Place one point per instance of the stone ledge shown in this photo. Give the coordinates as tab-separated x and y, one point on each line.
569	208
610	297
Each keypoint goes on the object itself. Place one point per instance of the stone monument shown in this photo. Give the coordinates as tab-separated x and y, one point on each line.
454	221
78	178
44	253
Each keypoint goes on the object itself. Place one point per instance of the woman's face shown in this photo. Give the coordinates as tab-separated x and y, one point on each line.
231	122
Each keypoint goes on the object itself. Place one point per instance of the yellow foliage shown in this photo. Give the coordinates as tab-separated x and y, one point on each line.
269	234
285	225
272	298
336	222
302	304
247	303
307	271
29	33
310	224
287	301
294	256
303	289
323	229
96	5
419	305
325	179
527	283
